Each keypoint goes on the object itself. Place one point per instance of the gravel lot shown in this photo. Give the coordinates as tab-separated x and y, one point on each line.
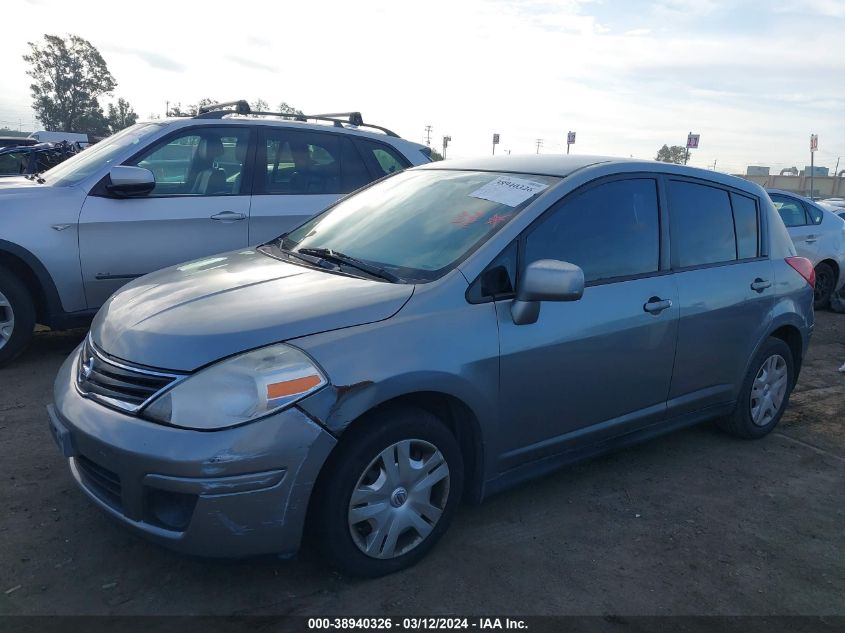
692	523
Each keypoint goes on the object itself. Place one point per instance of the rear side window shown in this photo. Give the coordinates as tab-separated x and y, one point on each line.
790	211
746	226
299	163
382	160
610	230
701	225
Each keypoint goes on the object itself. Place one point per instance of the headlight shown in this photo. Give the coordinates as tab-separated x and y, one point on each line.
238	389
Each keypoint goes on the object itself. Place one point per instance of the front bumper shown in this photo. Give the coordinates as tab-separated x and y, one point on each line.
229	493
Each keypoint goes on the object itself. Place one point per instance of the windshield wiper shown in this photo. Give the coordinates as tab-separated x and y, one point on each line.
340	258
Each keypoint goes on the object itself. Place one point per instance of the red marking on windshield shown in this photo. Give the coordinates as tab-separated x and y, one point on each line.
498	219
464	219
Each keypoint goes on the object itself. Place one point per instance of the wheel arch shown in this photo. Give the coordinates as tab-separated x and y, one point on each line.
455	414
35	277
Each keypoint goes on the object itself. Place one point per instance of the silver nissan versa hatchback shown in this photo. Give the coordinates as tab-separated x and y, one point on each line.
440	335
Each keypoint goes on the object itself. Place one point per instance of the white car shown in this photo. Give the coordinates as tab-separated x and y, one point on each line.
168	191
819	235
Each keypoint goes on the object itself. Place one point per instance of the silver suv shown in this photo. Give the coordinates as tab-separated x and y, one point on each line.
163	192
446	333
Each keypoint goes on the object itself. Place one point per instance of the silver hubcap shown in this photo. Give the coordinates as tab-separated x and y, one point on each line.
768	390
7	320
398	499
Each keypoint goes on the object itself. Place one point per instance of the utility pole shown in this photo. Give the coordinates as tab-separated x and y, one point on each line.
428	135
495	142
539	144
814	145
446	140
714	165
166	109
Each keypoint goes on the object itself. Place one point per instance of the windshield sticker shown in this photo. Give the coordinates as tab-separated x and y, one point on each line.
464	219
509	190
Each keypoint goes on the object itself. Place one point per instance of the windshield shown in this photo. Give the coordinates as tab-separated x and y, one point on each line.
82	165
420	224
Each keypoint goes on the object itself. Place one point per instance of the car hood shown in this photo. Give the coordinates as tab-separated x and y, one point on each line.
187	316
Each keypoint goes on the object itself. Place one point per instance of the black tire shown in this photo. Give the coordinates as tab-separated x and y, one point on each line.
330	504
23	309
740	423
825	281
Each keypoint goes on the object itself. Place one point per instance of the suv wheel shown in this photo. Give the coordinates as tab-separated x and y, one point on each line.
765	392
17	316
389	493
825	280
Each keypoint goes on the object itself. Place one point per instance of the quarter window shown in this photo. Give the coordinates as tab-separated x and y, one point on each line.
701	225
746	226
204	162
297	163
610	230
383	161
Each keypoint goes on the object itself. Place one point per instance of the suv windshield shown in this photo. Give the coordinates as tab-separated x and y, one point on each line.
419	224
82	165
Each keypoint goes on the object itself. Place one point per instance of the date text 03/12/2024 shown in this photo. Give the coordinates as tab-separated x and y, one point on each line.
413	624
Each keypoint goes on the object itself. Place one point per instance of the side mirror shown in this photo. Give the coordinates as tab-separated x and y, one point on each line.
126	181
545	280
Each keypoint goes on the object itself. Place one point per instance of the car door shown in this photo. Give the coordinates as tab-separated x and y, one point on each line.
299	173
725	287
602	365
799	224
199	206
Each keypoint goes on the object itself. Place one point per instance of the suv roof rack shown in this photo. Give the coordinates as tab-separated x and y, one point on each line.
241	107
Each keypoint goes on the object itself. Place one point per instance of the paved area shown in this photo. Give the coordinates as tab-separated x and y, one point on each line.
693	523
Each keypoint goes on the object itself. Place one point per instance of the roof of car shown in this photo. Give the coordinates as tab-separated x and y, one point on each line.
542	165
285	122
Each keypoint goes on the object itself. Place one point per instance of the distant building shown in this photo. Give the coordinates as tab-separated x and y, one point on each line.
815	171
756	170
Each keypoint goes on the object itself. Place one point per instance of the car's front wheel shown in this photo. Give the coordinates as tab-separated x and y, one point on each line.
765	392
389	493
17	316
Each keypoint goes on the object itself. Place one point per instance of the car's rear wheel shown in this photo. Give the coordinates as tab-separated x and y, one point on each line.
765	392
825	281
17	316
389	493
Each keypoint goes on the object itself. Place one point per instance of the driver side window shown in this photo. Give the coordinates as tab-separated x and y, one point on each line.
199	162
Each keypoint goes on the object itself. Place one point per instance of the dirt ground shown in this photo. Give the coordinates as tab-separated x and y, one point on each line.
693	523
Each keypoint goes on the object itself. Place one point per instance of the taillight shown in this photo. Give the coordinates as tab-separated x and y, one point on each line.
803	267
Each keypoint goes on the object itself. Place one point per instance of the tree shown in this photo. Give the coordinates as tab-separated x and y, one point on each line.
120	116
69	75
284	108
193	110
435	155
675	154
7	131
259	105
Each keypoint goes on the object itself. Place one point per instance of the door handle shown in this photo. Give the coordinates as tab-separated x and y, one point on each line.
656	305
810	239
760	284
228	216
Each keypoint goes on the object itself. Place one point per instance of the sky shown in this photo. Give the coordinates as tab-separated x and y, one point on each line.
754	79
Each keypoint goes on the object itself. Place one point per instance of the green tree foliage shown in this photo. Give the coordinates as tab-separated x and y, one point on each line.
120	116
284	108
259	105
435	155
675	154
69	74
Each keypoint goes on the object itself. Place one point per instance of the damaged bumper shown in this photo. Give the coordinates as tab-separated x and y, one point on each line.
229	493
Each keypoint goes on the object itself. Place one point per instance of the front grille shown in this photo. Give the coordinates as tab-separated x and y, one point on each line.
117	384
101	481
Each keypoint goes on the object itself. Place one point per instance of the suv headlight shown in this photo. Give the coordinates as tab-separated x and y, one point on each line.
238	389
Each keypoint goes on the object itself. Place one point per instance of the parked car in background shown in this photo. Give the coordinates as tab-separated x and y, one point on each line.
16	141
837	205
29	160
43	136
818	235
167	191
444	334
